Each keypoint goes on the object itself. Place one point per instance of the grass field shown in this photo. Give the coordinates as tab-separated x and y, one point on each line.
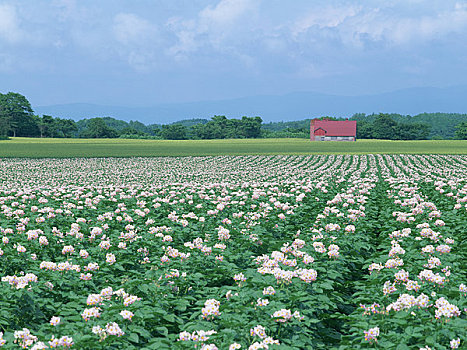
39	148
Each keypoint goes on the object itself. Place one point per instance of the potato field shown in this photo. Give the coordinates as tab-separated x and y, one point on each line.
234	252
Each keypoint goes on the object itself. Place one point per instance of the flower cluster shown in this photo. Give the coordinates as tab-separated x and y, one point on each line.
446	309
110	329
284	315
20	282
210	309
200	337
372	334
260	332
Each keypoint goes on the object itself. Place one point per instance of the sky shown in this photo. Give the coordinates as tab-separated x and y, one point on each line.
148	52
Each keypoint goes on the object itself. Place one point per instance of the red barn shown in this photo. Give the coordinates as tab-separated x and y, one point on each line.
333	130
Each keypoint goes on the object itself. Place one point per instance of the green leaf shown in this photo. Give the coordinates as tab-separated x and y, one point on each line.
313	320
326	285
133	337
169	317
430	340
163	330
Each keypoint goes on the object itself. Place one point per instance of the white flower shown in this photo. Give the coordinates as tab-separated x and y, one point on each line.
55	321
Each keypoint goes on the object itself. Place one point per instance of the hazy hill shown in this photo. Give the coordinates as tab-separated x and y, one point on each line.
293	106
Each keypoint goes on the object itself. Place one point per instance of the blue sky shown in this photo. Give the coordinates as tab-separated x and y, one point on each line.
145	52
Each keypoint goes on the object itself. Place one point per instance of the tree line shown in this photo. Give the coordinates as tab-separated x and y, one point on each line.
383	127
399	127
219	127
441	125
18	119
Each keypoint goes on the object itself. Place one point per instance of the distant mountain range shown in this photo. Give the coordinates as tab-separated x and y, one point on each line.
292	106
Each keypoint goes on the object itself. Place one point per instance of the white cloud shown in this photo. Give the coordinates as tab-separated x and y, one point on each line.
453	20
131	29
328	17
354	25
307	38
186	38
215	26
226	12
137	40
9	24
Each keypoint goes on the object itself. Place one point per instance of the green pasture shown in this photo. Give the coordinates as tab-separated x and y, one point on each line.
39	148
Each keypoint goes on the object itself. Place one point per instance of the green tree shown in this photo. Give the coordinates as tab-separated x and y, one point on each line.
219	127
132	131
65	127
416	131
97	128
250	127
174	132
5	122
136	125
461	131
384	127
327	118
46	125
365	130
211	130
358	116
19	120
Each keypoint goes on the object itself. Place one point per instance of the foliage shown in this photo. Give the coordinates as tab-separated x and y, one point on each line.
413	131
132	131
384	127
442	125
250	127
97	128
461	132
219	127
5	121
138	126
191	122
120	126
17	119
55	127
291	125
16	115
292	129
174	132
365	130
